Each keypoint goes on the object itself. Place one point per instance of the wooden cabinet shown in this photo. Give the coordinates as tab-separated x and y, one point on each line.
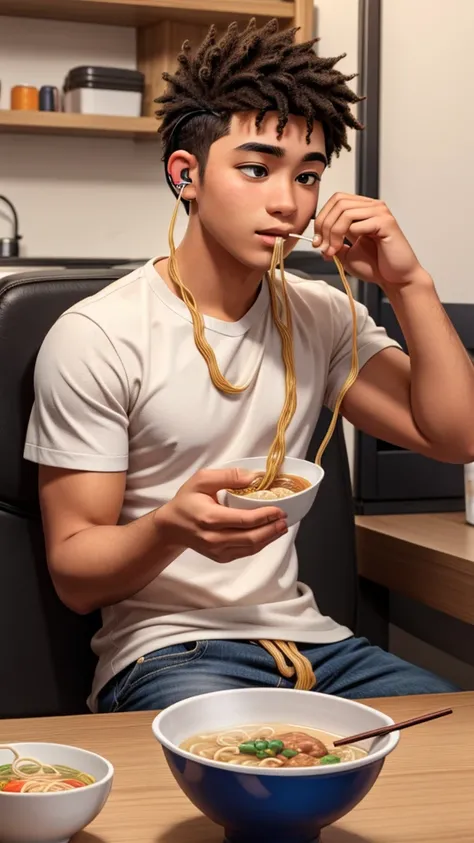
162	26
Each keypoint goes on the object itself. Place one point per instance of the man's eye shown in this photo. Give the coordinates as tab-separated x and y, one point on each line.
309	178
254	171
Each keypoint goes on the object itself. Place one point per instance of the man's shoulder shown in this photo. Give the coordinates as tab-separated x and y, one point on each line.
114	299
123	310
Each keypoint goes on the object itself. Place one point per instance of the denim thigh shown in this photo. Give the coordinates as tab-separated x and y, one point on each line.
174	673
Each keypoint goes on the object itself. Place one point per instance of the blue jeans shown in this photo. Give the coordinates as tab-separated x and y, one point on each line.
351	668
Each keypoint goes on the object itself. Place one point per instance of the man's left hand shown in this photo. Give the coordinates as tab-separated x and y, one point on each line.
379	251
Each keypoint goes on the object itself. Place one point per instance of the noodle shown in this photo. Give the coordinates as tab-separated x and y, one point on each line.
281	314
314	748
28	775
233	738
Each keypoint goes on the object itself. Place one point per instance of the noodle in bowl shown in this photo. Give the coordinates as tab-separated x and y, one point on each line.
291	803
296	506
52	812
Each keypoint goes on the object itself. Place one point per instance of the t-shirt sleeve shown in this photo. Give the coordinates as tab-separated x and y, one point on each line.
79	418
371	339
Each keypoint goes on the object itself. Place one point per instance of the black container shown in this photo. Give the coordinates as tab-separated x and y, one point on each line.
105	78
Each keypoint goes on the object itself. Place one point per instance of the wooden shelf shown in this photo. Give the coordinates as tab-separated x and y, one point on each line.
145	12
162	26
88	125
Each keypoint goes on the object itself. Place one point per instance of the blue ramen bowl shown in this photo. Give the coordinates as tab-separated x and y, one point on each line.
279	805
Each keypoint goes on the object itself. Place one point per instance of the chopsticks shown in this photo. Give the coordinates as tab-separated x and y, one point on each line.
385	730
301	237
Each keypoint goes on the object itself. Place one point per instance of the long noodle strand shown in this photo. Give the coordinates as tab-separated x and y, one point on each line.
281	314
354	370
276	454
300	665
219	381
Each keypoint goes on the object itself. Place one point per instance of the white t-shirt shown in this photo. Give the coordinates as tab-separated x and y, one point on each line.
120	386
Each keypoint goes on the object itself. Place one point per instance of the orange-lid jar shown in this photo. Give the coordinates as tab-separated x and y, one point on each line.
24	98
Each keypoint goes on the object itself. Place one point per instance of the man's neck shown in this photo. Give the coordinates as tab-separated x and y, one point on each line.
223	287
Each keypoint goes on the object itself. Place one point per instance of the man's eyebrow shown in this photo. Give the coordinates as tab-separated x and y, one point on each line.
263	148
278	151
316	156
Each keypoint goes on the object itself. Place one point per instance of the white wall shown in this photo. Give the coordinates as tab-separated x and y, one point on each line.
337	27
427	125
81	197
91	197
427	179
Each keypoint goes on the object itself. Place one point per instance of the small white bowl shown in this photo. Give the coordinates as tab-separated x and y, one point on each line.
54	817
296	506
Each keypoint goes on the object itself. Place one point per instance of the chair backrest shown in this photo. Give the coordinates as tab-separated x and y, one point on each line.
46	663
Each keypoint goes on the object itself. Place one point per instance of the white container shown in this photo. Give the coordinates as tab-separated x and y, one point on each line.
54	817
469	492
102	101
295	506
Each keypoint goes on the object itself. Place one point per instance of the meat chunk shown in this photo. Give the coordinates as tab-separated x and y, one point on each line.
301	760
304	743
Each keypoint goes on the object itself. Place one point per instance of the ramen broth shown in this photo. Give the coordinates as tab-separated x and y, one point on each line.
272	745
28	775
282	487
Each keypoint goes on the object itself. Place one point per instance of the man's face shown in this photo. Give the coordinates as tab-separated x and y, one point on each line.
256	187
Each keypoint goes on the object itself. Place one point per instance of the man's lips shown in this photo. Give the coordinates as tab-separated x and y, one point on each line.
269	237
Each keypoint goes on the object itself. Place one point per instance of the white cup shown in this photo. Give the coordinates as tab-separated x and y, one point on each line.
469	492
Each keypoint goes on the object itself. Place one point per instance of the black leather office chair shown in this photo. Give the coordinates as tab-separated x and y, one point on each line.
46	664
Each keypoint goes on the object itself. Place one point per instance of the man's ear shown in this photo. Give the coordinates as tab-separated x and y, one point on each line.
183	169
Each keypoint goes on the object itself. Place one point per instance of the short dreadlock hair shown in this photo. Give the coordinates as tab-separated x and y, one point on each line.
257	70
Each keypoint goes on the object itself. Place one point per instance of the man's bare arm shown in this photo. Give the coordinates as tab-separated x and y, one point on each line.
95	562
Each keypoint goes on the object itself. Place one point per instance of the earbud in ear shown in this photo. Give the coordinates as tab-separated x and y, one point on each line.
184	179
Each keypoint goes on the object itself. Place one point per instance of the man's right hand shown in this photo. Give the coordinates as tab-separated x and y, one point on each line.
194	519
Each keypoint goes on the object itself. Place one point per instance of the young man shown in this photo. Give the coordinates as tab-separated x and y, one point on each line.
130	432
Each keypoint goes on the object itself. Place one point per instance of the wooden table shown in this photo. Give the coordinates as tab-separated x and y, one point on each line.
427	557
425	793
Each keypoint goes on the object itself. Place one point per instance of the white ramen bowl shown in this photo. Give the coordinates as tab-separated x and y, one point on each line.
296	506
278	804
54	817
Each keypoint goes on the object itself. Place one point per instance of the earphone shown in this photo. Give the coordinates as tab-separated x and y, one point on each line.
185	180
